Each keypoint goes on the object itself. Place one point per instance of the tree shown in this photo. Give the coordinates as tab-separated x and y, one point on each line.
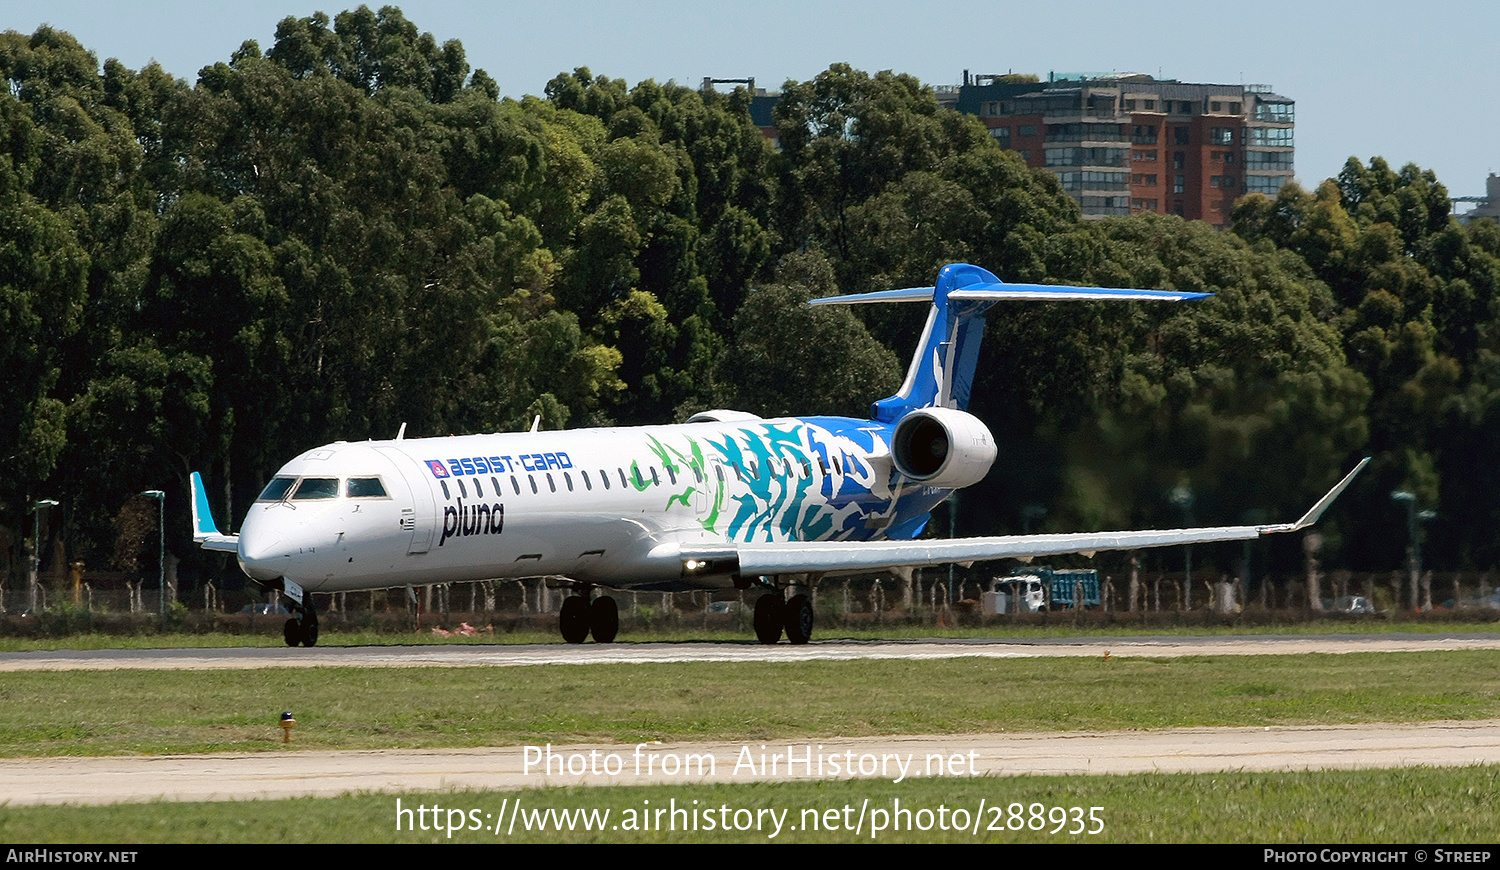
789	358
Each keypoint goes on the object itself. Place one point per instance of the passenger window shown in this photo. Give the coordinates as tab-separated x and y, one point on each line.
588	484
697	474
446	494
532	478
277	489
463	491
568	479
364	487
551	484
515	484
604	476
672	474
623	481
655	481
316	488
478	488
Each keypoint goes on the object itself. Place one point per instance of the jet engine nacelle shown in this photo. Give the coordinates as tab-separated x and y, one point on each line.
942	447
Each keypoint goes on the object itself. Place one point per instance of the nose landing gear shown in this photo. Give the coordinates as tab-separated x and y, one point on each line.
302	629
303	626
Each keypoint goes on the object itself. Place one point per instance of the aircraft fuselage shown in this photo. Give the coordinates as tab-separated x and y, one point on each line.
606	506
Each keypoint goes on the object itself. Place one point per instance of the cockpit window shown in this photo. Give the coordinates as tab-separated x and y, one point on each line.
316	487
276	489
364	487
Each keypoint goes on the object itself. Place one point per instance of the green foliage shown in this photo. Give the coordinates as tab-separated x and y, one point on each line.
43	271
371	51
349	231
857	153
790	358
1417	310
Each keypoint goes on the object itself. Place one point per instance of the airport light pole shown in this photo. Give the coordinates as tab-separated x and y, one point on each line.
36	548
1414	540
161	545
1031	513
1182	496
952	533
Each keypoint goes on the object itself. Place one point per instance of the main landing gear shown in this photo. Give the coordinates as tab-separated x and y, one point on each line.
774	615
580	618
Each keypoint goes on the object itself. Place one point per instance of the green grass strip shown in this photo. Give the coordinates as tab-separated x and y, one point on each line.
1418	805
268	634
110	712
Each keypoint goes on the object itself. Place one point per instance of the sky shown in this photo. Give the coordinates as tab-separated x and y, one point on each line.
1413	83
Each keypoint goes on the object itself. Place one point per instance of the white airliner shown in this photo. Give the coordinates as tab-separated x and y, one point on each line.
727	499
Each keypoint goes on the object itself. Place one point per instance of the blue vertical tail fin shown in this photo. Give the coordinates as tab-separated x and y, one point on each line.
941	373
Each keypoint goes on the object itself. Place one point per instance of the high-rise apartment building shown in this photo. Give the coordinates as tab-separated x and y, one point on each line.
1124	144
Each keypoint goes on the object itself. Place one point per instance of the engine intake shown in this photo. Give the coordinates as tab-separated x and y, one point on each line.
943	447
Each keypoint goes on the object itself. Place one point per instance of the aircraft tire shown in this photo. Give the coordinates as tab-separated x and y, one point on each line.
604	619
291	632
309	632
573	620
799	619
768	617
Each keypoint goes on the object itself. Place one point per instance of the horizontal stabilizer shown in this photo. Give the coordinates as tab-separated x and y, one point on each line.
1002	292
941	373
910	294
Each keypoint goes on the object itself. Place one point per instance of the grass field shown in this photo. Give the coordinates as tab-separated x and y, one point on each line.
1059	627
103	712
1456	805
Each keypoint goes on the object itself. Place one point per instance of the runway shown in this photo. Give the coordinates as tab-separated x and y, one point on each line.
118	779
326	774
513	655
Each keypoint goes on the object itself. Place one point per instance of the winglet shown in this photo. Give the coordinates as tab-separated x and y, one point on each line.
1316	510
203	518
205	532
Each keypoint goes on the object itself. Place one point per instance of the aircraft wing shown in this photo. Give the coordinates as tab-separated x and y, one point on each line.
205	531
845	556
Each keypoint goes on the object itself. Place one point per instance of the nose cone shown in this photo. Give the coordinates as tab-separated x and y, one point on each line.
266	546
264	554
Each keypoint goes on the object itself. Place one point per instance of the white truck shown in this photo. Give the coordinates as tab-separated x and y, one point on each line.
1031	590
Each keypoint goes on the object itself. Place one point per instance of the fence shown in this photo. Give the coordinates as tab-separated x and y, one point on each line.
851	600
